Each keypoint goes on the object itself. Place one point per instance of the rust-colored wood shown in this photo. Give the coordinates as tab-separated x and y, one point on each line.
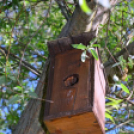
77	96
85	123
77	89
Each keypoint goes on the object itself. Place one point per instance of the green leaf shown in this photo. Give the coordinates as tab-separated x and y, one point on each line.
83	56
13	100
112	103
108	111
130	63
107	115
79	46
32	94
96	45
93	52
115	102
84	6
119	101
18	88
124	88
116	64
93	41
129	76
11	77
110	99
106	129
2	79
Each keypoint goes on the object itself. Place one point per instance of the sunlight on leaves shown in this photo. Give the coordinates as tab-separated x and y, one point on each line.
107	115
93	52
84	6
83	56
115	78
124	88
79	46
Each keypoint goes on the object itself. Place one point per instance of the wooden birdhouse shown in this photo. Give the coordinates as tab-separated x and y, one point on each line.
77	89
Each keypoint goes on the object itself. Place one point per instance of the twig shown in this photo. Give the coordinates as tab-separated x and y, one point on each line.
63	8
50	101
23	63
111	61
34	35
120	125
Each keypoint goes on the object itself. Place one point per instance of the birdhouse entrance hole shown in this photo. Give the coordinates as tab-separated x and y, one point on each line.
71	80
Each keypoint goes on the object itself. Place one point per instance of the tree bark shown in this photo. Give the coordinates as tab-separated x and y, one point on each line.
29	122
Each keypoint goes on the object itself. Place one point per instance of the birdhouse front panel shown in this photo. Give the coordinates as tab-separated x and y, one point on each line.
71	85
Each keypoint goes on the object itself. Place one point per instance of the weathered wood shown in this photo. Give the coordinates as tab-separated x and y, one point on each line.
64	44
85	123
76	97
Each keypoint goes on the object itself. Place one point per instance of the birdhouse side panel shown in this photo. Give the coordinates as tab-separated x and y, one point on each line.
99	94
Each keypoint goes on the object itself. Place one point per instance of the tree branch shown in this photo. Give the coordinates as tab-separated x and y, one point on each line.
63	8
23	63
130	49
120	125
29	121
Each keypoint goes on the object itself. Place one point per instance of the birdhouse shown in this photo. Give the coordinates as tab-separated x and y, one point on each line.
76	88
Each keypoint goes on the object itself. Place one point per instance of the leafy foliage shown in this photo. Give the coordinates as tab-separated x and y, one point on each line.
25	28
89	49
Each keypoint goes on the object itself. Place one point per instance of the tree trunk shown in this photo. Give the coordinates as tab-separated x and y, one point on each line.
29	122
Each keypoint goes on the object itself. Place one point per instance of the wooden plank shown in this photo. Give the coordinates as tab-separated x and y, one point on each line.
49	85
65	44
85	123
77	96
99	94
61	45
68	113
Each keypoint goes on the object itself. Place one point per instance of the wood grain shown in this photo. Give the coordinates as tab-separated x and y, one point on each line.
85	123
77	96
